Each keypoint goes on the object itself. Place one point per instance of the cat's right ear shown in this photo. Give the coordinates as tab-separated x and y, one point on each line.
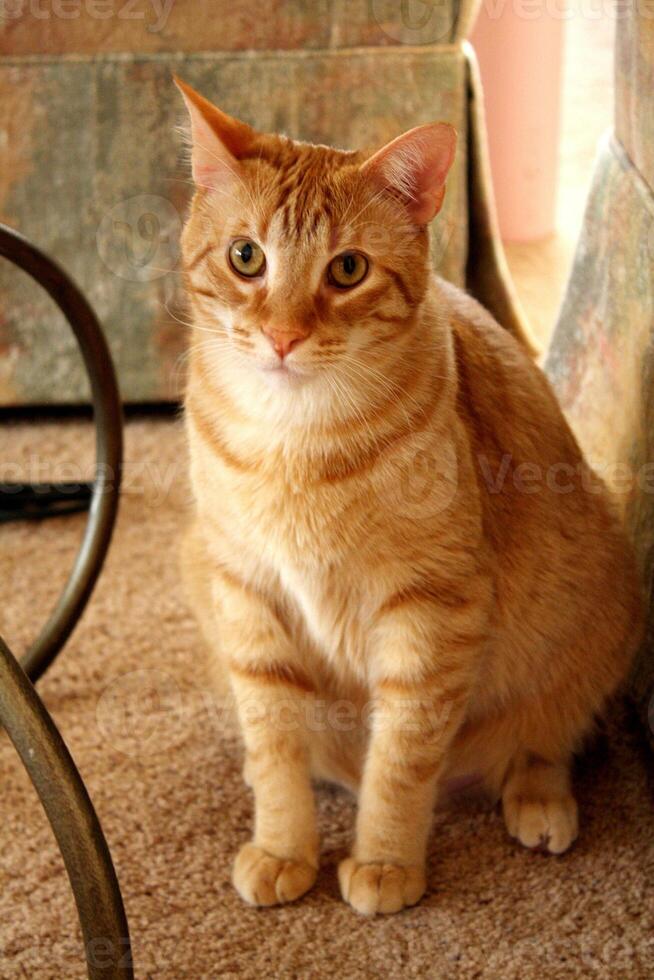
218	140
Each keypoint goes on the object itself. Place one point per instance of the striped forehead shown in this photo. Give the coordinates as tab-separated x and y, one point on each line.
302	195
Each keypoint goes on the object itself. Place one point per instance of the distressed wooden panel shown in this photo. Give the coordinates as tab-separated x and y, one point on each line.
601	362
634	84
90	171
149	26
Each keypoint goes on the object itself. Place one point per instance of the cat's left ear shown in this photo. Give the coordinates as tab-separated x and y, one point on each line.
415	165
219	141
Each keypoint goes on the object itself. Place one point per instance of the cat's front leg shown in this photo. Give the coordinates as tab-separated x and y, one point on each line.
418	709
271	690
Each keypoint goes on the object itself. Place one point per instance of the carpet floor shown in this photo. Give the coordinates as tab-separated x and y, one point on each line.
130	696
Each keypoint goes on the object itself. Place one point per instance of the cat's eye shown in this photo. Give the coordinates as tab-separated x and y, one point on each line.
247	258
347	270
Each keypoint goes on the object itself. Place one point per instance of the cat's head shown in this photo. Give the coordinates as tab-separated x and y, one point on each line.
308	261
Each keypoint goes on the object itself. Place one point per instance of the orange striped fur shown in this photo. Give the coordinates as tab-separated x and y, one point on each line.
390	603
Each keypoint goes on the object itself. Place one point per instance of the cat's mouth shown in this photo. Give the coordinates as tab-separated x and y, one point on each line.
280	367
281	372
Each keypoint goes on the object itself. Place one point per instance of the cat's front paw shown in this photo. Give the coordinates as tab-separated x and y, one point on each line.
383	888
262	879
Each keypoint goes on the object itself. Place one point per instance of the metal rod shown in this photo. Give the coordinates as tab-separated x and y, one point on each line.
73	820
109	446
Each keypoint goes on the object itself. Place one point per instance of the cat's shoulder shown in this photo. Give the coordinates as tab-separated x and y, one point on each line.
479	339
498	379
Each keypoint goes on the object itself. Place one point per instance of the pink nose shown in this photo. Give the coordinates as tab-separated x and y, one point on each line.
285	340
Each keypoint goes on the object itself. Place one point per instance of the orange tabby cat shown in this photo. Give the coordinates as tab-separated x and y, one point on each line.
400	559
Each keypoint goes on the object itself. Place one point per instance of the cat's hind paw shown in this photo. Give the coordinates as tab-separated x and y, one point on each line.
262	879
380	888
548	825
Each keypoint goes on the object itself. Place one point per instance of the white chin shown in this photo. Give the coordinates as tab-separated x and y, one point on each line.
282	376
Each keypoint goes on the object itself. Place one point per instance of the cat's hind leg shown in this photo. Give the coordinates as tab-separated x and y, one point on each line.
539	808
528	770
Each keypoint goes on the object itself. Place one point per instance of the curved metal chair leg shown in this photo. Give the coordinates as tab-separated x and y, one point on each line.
73	820
28	724
109	438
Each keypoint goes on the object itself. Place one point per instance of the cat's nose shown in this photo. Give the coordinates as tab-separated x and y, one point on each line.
284	339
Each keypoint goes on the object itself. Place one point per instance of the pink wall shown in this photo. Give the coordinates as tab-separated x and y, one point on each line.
519	44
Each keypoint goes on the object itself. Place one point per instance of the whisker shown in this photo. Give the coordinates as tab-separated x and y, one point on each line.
392	392
369	204
359	412
194	325
230	169
167	272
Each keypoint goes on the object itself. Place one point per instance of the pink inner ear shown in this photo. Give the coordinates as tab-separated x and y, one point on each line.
211	161
416	165
218	139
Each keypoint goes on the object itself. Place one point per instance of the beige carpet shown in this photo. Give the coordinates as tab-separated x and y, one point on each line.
129	696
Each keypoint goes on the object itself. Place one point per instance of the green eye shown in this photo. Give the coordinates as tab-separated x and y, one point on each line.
247	258
347	270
